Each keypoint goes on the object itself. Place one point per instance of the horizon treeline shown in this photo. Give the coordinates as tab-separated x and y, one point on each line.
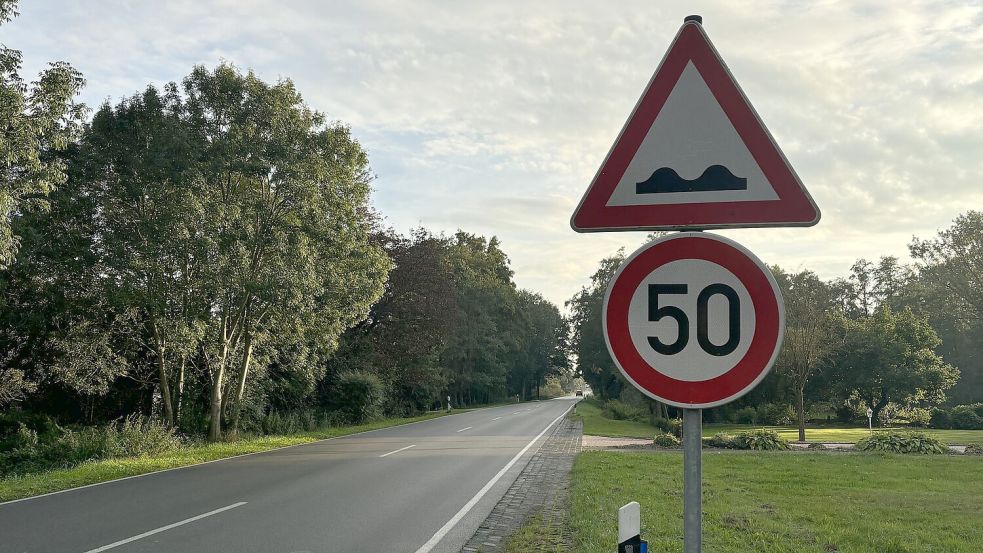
207	254
898	338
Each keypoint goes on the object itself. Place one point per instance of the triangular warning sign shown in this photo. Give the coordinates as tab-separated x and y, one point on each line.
694	154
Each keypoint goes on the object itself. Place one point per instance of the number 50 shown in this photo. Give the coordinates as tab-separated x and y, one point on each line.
656	314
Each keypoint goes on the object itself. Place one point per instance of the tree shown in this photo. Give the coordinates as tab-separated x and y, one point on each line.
587	334
809	337
37	119
890	357
136	162
951	279
287	223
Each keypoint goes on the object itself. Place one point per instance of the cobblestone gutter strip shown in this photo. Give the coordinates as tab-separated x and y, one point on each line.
542	487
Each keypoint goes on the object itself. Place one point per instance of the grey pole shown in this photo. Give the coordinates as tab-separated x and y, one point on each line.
692	480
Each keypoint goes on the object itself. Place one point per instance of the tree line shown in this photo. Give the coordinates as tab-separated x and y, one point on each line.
897	338
206	253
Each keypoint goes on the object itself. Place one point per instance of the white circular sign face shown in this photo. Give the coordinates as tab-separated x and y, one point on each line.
692	363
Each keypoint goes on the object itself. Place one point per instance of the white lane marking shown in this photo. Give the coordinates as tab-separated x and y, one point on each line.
517	412
465	428
425	548
496	418
397	451
163	528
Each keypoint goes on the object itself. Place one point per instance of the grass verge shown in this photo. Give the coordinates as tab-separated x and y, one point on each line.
16	487
779	502
595	424
536	535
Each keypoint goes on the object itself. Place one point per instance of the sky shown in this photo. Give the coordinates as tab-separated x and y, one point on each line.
493	117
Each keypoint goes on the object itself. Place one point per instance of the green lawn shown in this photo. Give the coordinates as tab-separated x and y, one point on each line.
16	487
595	424
785	502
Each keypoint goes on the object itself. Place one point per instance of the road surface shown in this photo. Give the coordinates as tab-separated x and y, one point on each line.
419	488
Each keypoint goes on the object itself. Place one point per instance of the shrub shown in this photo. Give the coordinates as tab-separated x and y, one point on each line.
917	416
621	411
135	436
760	440
974	449
776	414
129	437
940	419
666	440
357	396
846	413
676	428
746	415
661	423
725	441
964	417
902	442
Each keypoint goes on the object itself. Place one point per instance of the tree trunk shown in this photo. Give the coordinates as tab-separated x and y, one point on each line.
215	403
165	387
241	384
801	412
179	391
876	408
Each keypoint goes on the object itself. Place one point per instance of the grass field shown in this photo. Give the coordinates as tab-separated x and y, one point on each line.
16	487
595	424
783	502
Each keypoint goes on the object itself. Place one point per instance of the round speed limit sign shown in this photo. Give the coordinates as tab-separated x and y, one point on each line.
694	320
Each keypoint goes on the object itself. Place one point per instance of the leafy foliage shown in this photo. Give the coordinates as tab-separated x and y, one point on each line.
760	440
902	442
357	396
621	411
666	439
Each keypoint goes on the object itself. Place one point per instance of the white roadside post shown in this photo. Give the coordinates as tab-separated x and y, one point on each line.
870	420
693	320
630	528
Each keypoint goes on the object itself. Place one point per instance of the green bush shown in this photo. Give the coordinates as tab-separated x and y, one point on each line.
902	442
621	411
666	440
676	428
778	414
760	440
724	441
130	437
940	419
662	423
974	449
965	417
357	396
746	415
917	416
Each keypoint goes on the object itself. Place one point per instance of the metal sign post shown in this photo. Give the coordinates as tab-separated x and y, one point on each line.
692	480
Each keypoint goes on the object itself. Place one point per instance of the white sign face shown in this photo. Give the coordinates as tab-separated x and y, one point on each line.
679	285
692	141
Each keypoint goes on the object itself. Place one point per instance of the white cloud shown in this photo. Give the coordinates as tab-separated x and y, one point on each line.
493	116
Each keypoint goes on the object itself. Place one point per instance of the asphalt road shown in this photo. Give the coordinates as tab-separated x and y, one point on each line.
418	488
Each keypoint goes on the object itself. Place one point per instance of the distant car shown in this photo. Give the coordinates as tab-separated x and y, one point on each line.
579	393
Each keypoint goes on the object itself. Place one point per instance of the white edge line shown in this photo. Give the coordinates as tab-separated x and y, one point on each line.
496	418
446	528
163	528
56	492
465	428
397	451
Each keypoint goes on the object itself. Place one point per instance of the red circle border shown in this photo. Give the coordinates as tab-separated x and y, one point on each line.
768	332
